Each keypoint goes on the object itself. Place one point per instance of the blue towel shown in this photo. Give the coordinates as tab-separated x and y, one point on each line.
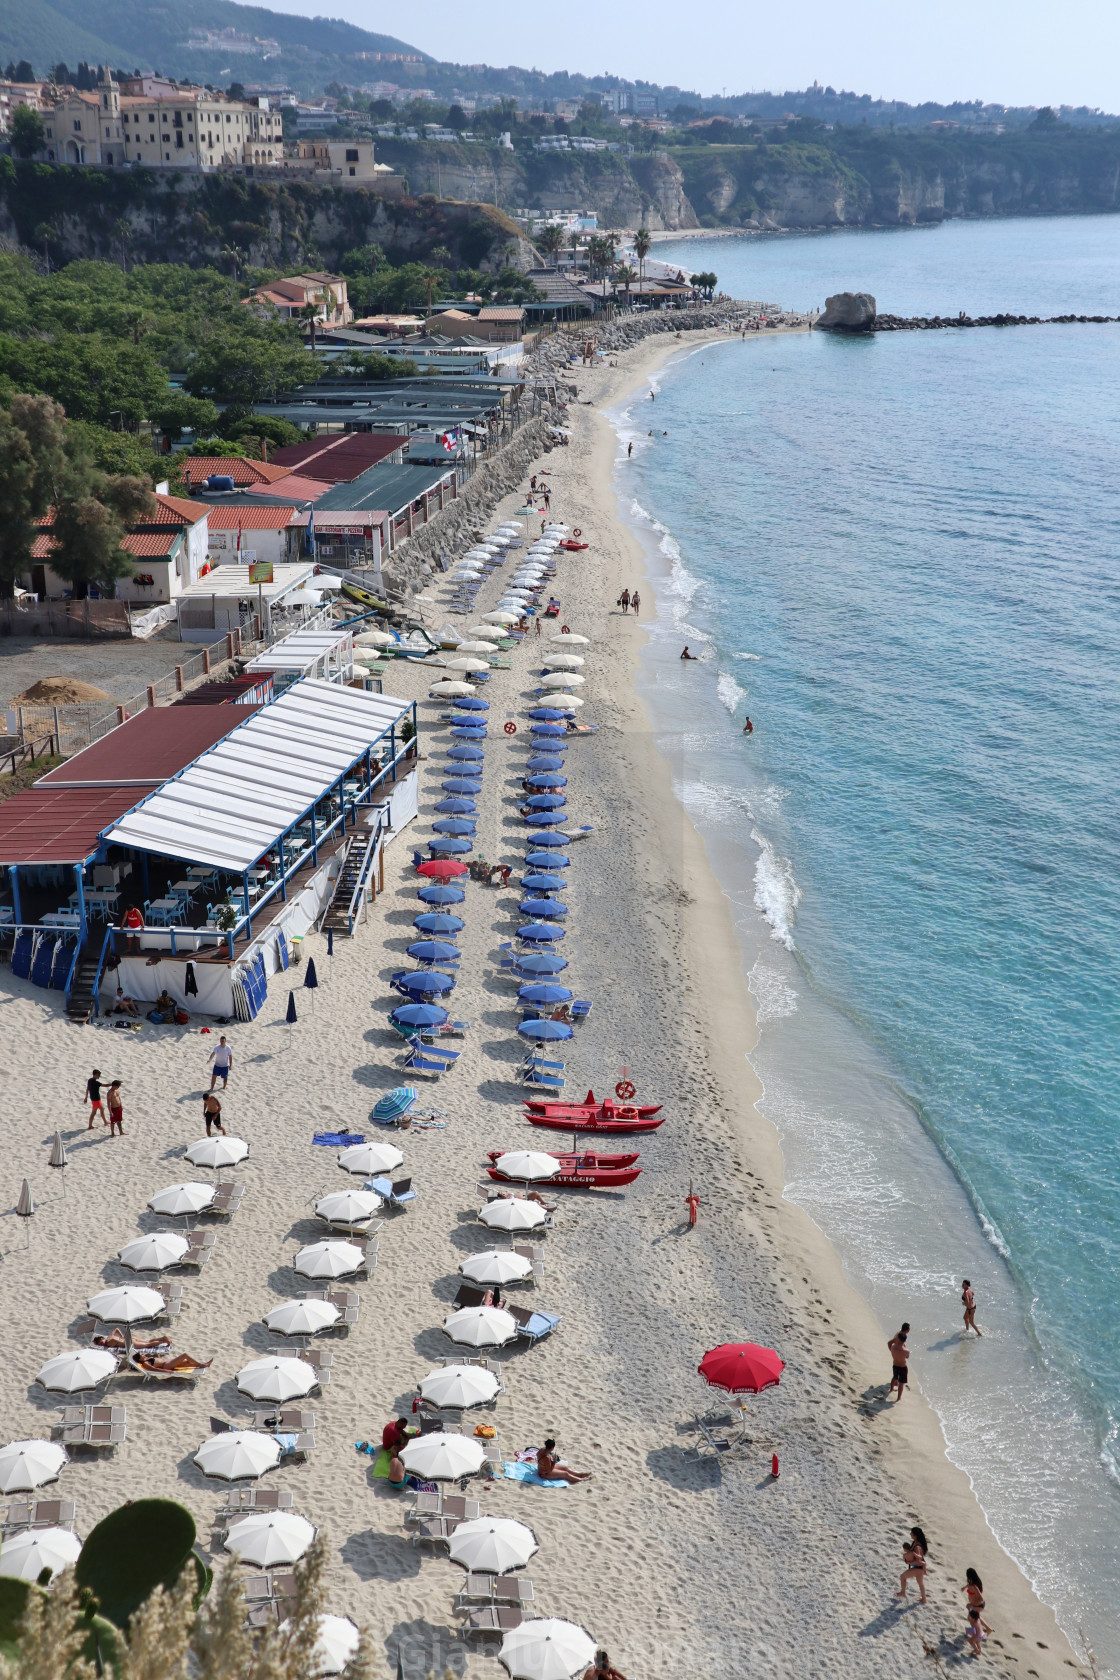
528	1473
338	1140
287	1443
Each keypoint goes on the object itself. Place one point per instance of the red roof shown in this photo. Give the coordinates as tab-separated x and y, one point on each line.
174	510
150	545
304	489
339	459
251	518
198	468
61	818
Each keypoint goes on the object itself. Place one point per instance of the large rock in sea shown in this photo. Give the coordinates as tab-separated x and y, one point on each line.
848	312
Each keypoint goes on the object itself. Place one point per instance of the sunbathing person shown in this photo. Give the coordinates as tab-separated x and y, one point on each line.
146	1344
398	1475
178	1364
549	1468
601	1668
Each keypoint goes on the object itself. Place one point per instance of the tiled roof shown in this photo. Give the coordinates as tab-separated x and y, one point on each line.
198	468
500	312
150	545
250	518
174	510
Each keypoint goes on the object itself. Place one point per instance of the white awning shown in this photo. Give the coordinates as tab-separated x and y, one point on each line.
304	650
232	805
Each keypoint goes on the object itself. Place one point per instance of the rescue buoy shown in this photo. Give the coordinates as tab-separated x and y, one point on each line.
625	1089
511	729
577	532
564	631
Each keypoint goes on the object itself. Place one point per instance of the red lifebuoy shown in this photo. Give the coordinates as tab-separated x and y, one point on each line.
511	729
625	1089
627	1114
577	532
564	631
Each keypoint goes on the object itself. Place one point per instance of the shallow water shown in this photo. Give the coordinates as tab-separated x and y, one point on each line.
900	556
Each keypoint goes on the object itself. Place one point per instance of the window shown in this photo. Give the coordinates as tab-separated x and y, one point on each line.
351	154
353	171
179	140
108	134
77	128
50	134
151	116
138	157
108	157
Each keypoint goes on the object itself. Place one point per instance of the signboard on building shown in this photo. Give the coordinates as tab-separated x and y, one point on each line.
260	571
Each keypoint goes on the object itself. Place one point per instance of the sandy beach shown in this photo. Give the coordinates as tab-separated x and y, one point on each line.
676	1566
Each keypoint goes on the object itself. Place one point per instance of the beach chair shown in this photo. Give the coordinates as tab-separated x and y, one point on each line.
437	1530
287	1418
580	1009
713	1441
395	1195
540	1081
495	1589
492	1621
299	1447
535	1257
455	1029
424	1505
418	1059
198	1254
40	1513
240	1500
320	1359
227	1199
533	1326
470	1296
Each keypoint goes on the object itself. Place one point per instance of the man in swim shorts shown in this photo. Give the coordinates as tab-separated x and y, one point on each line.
899	1353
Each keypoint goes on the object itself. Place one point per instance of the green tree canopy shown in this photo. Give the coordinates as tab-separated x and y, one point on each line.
26	132
33	465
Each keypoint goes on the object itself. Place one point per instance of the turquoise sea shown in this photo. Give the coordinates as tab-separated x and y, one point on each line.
901	556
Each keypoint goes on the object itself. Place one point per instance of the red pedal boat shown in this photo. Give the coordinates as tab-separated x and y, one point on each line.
611	1120
589	1109
576	1171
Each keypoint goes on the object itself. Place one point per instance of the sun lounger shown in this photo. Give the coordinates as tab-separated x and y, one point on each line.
91	1434
417	1060
396	1194
296	1446
495	1589
580	1009
95	1414
492	1365
287	1418
39	1513
713	1440
240	1500
197	1255
541	1081
470	1296
227	1199
436	1529
533	1326
166	1368
492	1619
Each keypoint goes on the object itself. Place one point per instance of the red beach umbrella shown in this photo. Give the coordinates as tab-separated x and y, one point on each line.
442	868
741	1368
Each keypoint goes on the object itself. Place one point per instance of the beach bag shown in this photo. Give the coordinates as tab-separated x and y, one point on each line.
486	1431
155	1017
181	1017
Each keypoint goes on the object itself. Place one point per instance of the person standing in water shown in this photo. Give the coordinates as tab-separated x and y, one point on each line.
968	1302
748	727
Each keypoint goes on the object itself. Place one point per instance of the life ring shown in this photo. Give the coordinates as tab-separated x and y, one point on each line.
511	729
626	1114
577	532
564	631
625	1089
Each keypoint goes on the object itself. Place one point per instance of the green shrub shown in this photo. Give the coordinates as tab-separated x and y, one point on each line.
136	1548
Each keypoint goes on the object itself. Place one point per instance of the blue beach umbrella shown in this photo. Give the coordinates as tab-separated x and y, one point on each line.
428	982
441	895
542	882
449	846
470	703
544	1032
470	732
539	933
548	909
545	819
461	784
547	801
466	755
548	731
535	963
547	860
433	950
436	921
539	994
544	761
547	714
419	1015
394	1103
546	842
454	825
456	807
547	779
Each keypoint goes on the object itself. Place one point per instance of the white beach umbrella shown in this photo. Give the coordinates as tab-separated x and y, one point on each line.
278	1378
128	1303
481	1327
496	1265
69	1373
512	1213
499	536
374	639
528	1164
571	638
469	571
489	632
329	1259
23	1557
268	1538
348	1207
563	679
28	1464
217	1152
459	1385
443	1457
154	1252
493	1544
370	1158
547	1649
466	662
564	662
237	1453
449	690
500	617
474	647
334	1648
178	1199
509	528
302	1318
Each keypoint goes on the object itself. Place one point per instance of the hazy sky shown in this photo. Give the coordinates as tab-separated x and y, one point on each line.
1017	52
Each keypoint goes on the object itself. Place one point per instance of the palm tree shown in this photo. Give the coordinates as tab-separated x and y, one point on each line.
626	274
642	243
122	233
550	240
235	256
310	314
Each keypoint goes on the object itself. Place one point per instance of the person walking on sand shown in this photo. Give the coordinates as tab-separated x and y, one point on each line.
635	602
968	1302
222	1058
212	1114
624	600
973	1590
899	1353
116	1109
976	1632
93	1097
914	1557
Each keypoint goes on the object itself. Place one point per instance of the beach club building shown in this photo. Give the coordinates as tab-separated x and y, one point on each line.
219	831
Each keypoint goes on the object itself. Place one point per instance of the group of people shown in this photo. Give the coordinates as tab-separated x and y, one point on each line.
899	1348
630	603
915	1557
114	1119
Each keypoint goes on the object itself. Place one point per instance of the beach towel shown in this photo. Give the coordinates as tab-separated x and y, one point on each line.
380	1466
287	1443
528	1473
338	1140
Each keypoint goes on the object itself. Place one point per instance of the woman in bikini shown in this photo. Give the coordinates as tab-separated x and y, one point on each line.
914	1556
973	1590
549	1469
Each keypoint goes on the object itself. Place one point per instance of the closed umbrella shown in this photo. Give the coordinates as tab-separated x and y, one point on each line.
540	994
25	1204
741	1368
548	1649
540	962
329	1260
480	1327
433	950
302	1317
238	1453
544	1032
528	1164
512	1213
154	1252
542	882
394	1103
370	1158
419	1015
290	1015
441	895
23	1557
311	979
30	1464
459	1386
277	1378
492	1545
128	1303
348	1207
180	1199
540	933
69	1373
442	869
443	1457
426	981
496	1265
58	1156
217	1152
269	1538
437	921
545	908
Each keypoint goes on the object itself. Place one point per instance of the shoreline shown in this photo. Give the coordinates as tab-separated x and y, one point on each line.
913	1443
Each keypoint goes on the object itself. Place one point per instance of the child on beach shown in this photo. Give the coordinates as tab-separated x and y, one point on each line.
976	1632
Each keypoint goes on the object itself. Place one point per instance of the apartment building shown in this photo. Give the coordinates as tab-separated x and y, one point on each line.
188	128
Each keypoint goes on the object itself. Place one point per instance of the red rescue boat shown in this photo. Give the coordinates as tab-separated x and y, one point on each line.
617	1120
589	1109
577	1171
